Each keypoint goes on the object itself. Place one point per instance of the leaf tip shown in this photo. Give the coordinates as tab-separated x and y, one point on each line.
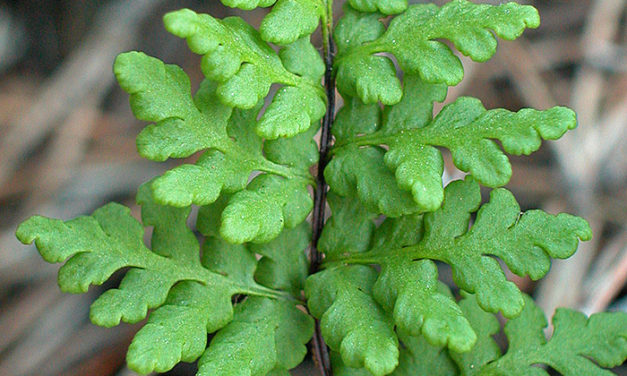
180	22
25	231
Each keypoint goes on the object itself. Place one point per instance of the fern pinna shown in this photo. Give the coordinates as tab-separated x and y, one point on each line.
374	304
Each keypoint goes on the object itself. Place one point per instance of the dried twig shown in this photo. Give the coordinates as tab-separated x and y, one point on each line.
79	77
606	283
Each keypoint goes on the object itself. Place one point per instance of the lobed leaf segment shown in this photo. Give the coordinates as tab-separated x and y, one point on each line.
579	345
381	307
406	294
190	289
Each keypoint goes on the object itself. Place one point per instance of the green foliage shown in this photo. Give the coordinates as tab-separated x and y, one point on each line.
524	241
351	321
203	122
191	298
284	264
245	278
579	345
363	170
265	335
288	20
412	39
407	286
464	127
385	7
246	70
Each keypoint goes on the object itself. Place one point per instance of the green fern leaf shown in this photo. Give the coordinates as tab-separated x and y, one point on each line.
340	369
356	28
216	171
187	295
235	152
352	322
525	242
246	70
362	75
398	232
381	307
349	229
412	38
283	264
464	127
421	307
234	261
290	20
248	4
177	331
299	152
355	118
410	291
209	218
419	358
418	170
161	93
182	129
415	110
264	335
251	66
202	182
471	127
302	58
280	120
578	346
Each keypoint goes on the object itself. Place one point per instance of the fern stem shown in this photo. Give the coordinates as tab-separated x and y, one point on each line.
374	139
325	140
320	351
382	255
284	171
262	291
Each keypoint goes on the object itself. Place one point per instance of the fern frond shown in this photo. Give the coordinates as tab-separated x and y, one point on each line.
464	127
363	170
381	307
188	295
412	39
284	265
579	345
185	125
526	242
246	69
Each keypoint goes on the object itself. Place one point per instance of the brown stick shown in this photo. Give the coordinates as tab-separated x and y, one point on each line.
607	283
82	74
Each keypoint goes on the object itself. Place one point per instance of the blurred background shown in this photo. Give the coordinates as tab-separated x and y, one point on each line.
67	147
